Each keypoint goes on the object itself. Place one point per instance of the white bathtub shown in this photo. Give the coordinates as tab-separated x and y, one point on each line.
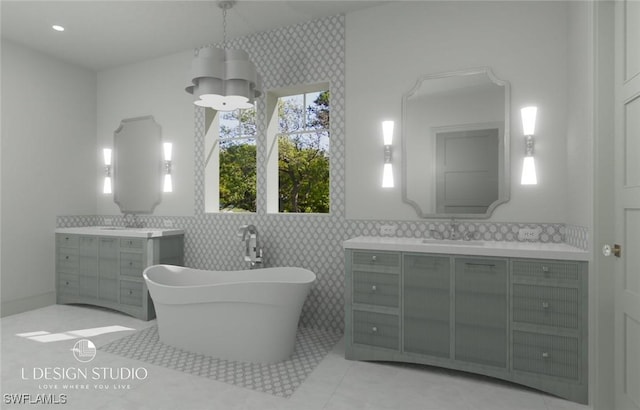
248	315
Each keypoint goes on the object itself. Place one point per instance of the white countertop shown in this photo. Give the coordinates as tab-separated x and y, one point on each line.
477	248
121	231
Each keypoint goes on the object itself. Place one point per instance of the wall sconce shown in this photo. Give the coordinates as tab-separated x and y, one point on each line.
168	183
528	129
387	171
106	186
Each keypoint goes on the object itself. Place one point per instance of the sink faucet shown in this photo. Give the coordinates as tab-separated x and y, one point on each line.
131	221
436	234
253	251
453	230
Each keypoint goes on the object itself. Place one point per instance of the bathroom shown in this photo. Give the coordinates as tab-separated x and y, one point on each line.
59	113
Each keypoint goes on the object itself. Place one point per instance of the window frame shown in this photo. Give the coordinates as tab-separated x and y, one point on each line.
273	132
212	141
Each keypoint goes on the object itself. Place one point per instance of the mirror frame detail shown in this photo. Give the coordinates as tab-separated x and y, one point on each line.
138	165
504	183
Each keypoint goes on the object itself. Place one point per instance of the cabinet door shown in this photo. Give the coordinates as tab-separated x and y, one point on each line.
481	311
427	295
108	269
88	270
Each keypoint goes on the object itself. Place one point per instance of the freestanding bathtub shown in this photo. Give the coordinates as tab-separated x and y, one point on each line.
247	315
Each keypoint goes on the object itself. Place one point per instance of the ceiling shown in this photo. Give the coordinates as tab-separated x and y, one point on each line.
103	34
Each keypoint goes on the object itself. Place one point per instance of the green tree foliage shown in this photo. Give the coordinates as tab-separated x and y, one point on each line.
238	178
238	161
303	158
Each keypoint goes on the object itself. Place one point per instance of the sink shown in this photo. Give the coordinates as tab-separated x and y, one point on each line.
458	242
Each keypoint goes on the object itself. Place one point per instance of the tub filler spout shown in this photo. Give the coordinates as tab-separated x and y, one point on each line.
253	251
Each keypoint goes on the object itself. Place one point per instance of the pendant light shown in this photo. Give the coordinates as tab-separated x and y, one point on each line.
224	79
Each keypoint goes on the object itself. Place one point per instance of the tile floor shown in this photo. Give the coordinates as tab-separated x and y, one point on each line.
336	383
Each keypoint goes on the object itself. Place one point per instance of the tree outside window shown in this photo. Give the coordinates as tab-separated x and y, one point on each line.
303	153
238	173
302	136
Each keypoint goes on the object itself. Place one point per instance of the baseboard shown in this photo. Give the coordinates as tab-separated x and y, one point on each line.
12	307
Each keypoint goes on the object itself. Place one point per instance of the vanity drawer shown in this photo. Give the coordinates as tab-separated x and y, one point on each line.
376	329
68	284
67	241
131	264
68	259
545	305
382	289
132	243
384	261
131	293
545	354
541	269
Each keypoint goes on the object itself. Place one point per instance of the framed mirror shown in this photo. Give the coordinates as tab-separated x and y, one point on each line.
455	144
137	165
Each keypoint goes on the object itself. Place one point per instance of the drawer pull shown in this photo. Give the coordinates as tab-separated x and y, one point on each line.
545	305
374	329
67	257
130	263
486	265
67	283
545	355
373	288
130	292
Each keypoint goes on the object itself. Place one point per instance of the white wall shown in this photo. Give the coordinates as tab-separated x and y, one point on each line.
390	46
153	87
48	167
580	117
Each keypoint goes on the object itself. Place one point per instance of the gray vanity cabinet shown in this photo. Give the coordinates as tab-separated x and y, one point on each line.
376	299
481	311
427	305
523	320
549	325
107	271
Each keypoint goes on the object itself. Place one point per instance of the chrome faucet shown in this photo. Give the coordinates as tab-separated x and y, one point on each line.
253	251
436	234
131	221
453	230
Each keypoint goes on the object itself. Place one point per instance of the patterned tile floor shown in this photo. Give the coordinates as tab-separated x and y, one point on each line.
280	379
334	384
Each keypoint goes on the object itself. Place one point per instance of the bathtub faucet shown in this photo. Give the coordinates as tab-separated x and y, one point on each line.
253	251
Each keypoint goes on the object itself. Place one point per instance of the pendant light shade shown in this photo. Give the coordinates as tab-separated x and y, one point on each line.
224	79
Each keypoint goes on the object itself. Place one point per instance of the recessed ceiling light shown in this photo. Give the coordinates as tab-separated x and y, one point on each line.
57	27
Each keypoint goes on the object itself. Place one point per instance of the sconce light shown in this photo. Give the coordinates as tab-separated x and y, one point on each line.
528	129
387	171
106	187
168	183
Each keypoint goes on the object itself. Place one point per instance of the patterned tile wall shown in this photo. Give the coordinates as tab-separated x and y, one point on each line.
306	53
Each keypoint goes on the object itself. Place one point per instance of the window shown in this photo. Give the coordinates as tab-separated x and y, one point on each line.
303	152
231	139
297	157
